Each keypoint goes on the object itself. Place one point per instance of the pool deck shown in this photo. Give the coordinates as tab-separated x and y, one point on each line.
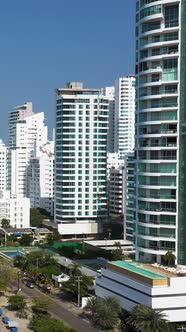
140	271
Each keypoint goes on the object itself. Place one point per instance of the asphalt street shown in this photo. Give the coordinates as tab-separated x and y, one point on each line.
59	310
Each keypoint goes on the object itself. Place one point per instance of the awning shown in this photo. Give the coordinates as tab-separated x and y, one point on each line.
13	323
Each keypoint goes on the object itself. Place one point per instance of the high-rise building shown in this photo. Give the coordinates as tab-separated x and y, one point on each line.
124	115
25	135
161	130
3	166
41	178
109	93
81	154
19	113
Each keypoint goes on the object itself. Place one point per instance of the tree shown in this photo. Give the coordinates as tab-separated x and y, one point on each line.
21	262
50	324
41	305
72	285
93	305
117	254
17	302
145	319
7	274
51	238
36	218
25	240
105	312
169	259
39	265
5	223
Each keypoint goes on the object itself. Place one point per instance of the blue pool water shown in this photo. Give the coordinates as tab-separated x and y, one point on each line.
12	254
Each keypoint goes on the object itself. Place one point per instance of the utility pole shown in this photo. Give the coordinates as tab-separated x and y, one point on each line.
79	280
37	264
18	281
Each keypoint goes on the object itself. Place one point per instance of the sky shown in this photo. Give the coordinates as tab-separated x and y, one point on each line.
46	43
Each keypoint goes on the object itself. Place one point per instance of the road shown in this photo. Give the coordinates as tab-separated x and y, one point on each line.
59	310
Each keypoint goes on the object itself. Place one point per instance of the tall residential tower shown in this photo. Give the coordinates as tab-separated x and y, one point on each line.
161	129
81	152
124	115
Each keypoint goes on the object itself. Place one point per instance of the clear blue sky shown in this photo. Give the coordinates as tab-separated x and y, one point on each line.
45	43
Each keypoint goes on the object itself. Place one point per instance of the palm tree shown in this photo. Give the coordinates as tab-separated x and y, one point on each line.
93	305
145	319
75	269
105	312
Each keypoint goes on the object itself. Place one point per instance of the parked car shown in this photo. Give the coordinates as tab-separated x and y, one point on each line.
46	287
1	312
5	320
14	329
30	284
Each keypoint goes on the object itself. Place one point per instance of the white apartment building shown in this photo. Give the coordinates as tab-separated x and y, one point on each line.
19	113
81	155
109	93
124	115
41	178
132	283
3	166
160	130
27	135
15	209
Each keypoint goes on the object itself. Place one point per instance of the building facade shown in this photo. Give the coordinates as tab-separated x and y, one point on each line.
109	93
15	209
81	154
3	166
132	283
124	115
160	129
41	178
129	201
26	135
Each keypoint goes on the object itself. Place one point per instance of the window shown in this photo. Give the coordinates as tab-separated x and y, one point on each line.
171	16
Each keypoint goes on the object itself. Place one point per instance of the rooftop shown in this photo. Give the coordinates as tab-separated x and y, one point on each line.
152	274
139	268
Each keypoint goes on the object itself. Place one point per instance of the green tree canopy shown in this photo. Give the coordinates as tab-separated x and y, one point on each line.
7	274
26	240
145	319
17	302
117	253
105	312
51	325
169	258
41	305
5	223
37	216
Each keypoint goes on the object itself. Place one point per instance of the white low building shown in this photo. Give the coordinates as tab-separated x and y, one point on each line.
15	209
134	283
58	280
